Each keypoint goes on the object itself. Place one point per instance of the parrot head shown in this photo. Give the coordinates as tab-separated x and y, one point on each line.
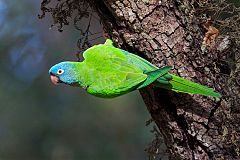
64	72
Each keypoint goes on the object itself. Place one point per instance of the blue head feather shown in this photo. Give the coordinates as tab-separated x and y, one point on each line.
68	74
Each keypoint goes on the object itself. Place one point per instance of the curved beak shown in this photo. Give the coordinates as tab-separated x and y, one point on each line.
54	79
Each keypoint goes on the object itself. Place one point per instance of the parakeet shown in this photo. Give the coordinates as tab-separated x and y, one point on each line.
109	72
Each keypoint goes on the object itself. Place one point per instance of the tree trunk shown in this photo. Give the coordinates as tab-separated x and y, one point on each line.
168	33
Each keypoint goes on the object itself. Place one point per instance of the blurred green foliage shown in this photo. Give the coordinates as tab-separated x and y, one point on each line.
40	121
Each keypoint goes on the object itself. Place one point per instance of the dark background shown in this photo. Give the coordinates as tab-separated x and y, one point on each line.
42	121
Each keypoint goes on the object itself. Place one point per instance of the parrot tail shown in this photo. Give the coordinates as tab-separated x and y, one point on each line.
179	84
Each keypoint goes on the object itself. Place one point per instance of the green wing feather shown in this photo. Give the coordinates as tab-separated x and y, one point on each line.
113	78
154	75
170	81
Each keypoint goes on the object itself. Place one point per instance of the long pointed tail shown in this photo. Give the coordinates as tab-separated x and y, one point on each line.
179	84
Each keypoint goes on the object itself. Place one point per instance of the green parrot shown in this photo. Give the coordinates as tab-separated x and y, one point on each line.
109	72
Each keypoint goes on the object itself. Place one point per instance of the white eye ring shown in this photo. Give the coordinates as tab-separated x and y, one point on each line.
60	71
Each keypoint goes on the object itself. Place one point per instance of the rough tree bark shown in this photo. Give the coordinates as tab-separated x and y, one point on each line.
166	32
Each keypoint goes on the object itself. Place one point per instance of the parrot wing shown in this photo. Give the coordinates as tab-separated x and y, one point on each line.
154	75
110	72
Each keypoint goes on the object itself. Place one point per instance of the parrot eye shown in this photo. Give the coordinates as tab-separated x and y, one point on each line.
60	71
